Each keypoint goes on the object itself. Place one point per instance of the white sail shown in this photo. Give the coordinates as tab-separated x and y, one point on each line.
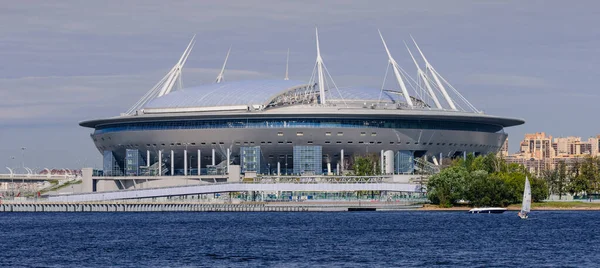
526	207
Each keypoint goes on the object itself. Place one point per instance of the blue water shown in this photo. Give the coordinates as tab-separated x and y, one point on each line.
365	239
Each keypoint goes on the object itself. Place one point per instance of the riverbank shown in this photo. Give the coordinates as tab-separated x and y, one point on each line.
553	205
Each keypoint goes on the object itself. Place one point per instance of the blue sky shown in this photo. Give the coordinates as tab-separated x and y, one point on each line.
61	63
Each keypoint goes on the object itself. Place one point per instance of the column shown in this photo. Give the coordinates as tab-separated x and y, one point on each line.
337	170
228	160
148	158
199	162
185	166
159	162
172	163
381	162
465	155
278	168
441	159
341	168
213	156
328	168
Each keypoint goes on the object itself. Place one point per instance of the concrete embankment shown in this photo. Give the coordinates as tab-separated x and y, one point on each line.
199	207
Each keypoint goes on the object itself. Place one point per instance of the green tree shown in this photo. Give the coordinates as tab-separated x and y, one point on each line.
448	186
366	165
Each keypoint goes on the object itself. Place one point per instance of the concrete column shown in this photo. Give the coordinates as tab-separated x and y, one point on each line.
441	155
341	168
465	155
148	158
328	168
228	154
159	162
213	156
278	168
87	183
185	164
199	161
172	162
381	163
338	169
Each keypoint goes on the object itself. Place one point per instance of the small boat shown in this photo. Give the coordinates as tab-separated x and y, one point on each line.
487	210
526	206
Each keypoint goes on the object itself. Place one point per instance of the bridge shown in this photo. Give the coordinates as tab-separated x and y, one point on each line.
228	187
12	176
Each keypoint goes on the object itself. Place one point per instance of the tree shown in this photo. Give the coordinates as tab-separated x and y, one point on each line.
447	187
366	165
561	183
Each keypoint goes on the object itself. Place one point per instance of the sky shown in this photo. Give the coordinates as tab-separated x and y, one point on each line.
65	62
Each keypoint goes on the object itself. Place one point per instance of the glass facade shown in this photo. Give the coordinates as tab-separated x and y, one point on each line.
300	123
250	159
404	162
111	165
308	160
133	161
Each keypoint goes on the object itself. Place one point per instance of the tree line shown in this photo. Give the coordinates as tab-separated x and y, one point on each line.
483	181
579	178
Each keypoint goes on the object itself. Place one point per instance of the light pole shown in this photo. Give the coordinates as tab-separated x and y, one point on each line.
23	156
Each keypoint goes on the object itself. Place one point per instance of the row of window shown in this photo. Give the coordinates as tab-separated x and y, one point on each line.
310	143
301	123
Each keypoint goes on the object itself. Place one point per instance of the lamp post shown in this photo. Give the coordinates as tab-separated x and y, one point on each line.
23	156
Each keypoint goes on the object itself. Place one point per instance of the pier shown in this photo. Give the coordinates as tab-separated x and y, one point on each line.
205	207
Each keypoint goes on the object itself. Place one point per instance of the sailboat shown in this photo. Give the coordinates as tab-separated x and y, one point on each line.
526	206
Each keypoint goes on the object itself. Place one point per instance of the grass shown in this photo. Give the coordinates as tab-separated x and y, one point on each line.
58	187
569	204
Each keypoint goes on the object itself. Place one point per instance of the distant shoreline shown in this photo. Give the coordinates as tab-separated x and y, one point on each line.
543	206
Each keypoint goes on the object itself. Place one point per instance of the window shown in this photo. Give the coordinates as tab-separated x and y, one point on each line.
363	134
361	142
299	134
280	134
373	134
289	142
349	142
327	142
338	142
280	142
327	133
340	133
310	142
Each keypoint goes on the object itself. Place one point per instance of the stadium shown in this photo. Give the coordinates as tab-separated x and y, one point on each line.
295	127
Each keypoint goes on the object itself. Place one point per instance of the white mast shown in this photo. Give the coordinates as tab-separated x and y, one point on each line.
175	72
287	64
425	80
220	76
320	71
396	72
435	77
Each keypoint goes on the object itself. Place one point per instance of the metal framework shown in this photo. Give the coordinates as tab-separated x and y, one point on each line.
166	84
222	73
425	86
